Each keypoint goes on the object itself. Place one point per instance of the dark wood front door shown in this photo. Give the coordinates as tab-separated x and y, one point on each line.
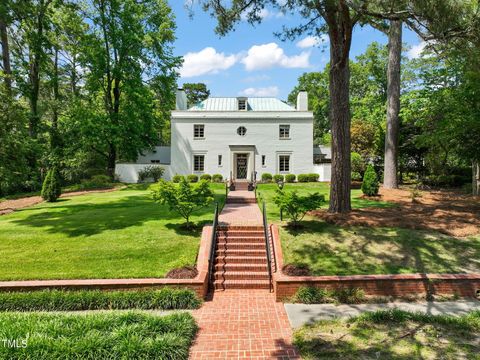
242	165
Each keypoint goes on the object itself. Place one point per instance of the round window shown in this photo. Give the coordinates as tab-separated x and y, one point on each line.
242	130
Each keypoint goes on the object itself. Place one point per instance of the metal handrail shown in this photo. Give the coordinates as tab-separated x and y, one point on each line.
211	258
267	244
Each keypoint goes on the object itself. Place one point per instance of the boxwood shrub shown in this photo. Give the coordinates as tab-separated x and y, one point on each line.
177	178
206	177
290	178
313	177
267	177
277	178
303	178
192	178
73	300
217	178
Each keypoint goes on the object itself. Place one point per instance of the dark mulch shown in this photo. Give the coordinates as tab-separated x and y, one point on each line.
186	272
296	270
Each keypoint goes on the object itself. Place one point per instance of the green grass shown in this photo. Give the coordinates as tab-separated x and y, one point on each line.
109	335
267	192
117	234
332	250
392	334
58	300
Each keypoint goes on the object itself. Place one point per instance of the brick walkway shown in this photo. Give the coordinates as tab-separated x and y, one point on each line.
243	324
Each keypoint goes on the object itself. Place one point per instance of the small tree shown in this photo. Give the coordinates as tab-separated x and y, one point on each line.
370	183
152	171
297	206
51	188
184	198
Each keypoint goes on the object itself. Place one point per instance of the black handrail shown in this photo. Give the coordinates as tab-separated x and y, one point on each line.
211	258
267	244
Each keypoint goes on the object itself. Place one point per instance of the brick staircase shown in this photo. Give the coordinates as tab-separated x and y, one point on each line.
241	258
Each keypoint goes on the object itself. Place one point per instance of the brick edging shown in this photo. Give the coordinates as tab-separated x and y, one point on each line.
199	284
399	285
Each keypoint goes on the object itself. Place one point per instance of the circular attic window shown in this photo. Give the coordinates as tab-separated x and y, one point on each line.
242	130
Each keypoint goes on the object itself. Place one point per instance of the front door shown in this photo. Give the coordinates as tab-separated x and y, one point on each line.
242	165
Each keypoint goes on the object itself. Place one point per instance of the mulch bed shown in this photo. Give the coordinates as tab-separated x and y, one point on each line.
186	272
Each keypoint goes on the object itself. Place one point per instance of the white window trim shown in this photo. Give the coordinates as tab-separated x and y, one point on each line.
204	154
290	154
289	132
198	138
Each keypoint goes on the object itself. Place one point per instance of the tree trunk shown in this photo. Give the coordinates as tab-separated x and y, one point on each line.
390	175
7	70
340	33
112	158
476	178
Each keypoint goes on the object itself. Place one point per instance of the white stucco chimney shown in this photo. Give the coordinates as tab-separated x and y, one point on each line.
181	100
302	101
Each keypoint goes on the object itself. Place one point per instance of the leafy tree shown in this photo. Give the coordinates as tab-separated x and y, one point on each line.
51	189
152	171
297	206
358	166
370	184
184	198
196	92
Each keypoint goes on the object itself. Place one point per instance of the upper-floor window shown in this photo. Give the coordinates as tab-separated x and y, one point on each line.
284	131
198	131
284	163
242	130
242	104
199	163
264	160
219	160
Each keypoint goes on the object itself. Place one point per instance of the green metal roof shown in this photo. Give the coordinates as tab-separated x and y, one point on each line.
230	104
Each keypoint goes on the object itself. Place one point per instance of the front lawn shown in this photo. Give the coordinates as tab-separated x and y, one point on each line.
333	250
391	335
106	335
119	234
267	192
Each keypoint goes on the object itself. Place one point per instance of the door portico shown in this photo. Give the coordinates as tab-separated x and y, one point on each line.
242	161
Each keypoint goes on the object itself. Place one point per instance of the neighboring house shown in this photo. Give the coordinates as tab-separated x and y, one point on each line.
238	137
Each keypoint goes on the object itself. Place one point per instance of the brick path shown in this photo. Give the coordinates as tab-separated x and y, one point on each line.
242	323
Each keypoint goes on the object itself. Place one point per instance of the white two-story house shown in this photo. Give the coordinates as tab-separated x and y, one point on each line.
239	138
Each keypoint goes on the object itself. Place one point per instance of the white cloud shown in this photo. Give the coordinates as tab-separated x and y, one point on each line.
206	61
311	41
263	14
416	50
263	91
269	55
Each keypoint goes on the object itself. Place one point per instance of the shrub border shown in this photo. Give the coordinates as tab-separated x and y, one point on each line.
199	284
397	285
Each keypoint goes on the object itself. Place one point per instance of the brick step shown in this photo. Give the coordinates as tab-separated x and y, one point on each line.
241	233
240	227
240	252
241	267
241	275
240	259
251	239
241	284
231	245
240	200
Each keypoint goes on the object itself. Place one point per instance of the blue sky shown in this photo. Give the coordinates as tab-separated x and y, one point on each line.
252	61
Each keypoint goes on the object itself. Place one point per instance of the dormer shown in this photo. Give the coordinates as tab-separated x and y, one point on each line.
242	103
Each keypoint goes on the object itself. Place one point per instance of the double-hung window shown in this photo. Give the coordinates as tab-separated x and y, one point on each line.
198	131
284	163
284	131
198	163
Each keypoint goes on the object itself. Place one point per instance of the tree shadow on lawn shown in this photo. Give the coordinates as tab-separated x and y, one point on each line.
350	250
86	219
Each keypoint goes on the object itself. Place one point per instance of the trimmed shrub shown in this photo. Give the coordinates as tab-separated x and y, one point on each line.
60	300
370	183
313	295
267	177
51	188
290	178
177	178
217	178
313	177
302	178
192	178
278	178
206	177
151	172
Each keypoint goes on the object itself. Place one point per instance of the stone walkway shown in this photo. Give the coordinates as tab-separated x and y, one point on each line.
300	314
242	323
